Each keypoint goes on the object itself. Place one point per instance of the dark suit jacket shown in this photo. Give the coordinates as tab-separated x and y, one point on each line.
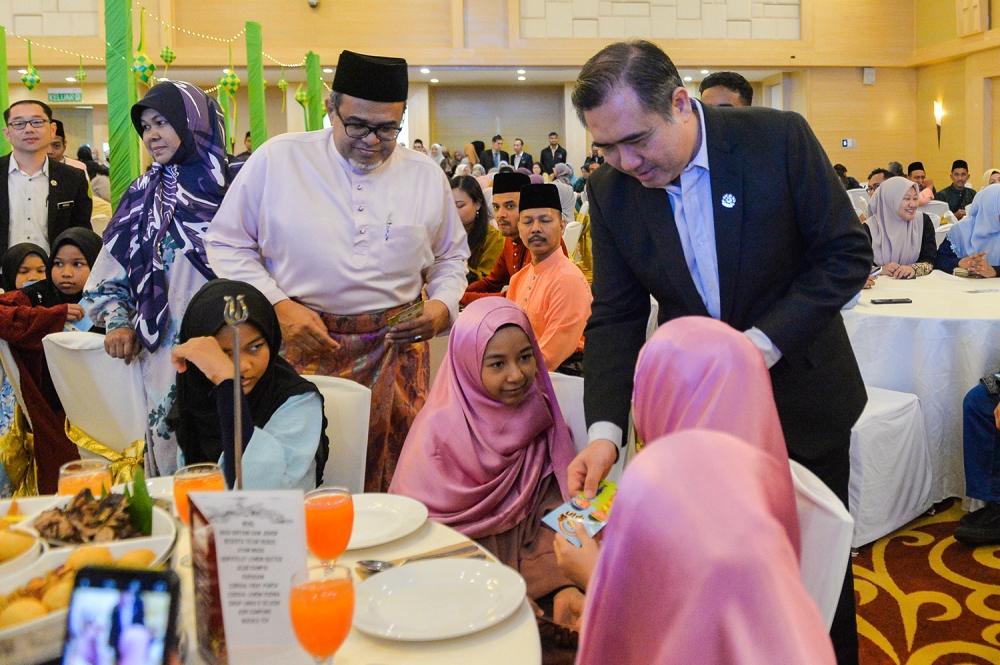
791	253
548	160
486	159
526	161
69	201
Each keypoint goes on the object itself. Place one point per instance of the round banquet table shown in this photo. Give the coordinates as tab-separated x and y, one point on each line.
514	640
936	348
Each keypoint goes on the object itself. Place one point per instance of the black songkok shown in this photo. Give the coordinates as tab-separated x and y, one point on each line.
371	77
539	196
505	183
960	164
915	166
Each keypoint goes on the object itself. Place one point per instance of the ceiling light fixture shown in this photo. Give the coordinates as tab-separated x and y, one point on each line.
520	71
327	70
424	70
688	79
434	81
71	79
521	78
22	71
225	71
704	71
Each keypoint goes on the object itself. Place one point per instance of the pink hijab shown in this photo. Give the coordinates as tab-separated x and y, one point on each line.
894	238
695	566
475	462
697	372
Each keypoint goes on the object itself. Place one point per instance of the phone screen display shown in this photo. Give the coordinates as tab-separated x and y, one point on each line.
118	620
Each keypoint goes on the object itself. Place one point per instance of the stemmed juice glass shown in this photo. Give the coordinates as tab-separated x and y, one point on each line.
321	604
329	522
206	477
83	474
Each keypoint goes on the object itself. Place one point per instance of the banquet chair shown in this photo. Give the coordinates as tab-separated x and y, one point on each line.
825	529
584	209
571	236
859	197
939	208
104	398
569	395
942	232
890	465
347	406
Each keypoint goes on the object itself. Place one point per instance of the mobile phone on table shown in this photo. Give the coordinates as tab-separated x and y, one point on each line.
891	301
122	615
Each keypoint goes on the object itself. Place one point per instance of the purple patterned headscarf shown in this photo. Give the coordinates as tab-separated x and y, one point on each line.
179	199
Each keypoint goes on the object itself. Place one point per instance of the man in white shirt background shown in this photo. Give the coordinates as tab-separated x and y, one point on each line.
520	159
351	232
39	198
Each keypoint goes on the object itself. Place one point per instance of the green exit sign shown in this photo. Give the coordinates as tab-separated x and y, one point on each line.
65	95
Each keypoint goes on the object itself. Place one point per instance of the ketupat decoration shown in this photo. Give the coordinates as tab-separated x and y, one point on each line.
31	77
229	83
302	97
142	66
168	56
282	86
81	74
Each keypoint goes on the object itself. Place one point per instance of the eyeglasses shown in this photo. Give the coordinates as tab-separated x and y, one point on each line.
871	188
20	124
359	131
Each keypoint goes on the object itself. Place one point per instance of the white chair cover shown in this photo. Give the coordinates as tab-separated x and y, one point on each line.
890	465
585	208
939	208
101	395
571	236
569	395
826	528
348	408
859	197
942	232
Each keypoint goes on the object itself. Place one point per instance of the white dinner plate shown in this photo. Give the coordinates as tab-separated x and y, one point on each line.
437	600
383	518
30	505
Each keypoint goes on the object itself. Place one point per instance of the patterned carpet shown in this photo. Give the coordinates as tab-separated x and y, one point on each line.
925	599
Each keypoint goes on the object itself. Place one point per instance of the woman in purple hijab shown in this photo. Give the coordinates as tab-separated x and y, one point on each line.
153	260
488	452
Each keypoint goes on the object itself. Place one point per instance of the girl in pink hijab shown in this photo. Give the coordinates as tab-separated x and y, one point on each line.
696	565
903	240
488	452
697	372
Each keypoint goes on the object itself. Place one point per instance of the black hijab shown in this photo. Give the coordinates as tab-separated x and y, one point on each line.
45	293
196	416
167	99
12	260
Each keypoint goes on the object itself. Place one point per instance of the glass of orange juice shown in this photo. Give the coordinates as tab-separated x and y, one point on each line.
321	605
77	476
206	477
329	521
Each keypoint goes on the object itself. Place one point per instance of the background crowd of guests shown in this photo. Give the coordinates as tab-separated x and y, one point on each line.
329	235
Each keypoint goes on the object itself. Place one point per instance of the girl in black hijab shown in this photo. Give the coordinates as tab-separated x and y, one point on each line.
284	430
15	259
73	254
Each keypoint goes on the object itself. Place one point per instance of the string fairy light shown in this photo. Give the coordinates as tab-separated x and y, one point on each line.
301	63
55	48
192	32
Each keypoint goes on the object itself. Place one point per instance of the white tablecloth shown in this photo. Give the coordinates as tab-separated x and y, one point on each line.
514	640
936	348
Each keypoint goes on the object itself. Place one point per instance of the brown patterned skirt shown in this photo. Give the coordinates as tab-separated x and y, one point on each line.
398	375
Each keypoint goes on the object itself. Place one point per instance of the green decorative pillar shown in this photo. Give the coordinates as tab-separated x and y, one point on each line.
314	107
225	101
4	96
255	84
121	96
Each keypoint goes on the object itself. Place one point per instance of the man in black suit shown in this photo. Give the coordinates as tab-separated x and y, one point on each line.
520	159
552	155
490	159
735	214
39	199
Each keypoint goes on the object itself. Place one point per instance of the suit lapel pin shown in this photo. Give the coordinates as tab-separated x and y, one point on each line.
53	183
728	201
